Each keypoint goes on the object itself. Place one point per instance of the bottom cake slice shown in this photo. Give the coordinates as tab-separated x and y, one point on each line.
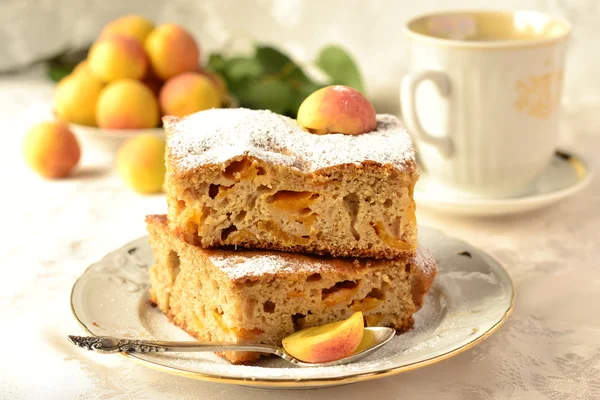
247	296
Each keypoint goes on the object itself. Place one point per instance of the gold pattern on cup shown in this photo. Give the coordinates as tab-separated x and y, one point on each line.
538	95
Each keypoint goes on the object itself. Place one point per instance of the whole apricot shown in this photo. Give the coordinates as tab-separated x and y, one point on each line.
141	163
188	93
172	50
337	109
116	57
75	98
51	150
127	104
82	68
219	83
133	26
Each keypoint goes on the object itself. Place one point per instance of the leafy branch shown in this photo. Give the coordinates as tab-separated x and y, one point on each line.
269	79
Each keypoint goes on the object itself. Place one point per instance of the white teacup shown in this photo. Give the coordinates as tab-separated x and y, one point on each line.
483	99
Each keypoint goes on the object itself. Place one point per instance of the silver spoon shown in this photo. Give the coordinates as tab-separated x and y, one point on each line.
376	337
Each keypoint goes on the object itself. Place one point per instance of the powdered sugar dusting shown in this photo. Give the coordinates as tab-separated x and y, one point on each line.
240	265
425	261
218	135
248	264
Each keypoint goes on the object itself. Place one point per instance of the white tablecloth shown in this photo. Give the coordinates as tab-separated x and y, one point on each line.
51	231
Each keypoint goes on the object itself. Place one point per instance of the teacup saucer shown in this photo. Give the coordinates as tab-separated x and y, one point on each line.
567	174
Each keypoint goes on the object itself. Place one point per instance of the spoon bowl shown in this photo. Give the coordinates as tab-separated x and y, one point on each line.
373	339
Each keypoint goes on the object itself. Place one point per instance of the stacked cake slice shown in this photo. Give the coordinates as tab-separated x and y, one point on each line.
260	213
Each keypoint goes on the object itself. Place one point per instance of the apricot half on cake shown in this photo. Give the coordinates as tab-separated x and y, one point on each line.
337	109
328	342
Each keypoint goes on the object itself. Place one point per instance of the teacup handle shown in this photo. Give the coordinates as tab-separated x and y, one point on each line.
408	92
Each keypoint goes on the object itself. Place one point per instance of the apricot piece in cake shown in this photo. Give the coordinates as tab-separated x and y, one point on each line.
328	342
51	150
374	319
340	293
337	109
392	241
188	93
291	201
140	163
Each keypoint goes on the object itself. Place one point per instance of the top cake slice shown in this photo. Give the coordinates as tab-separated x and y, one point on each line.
256	179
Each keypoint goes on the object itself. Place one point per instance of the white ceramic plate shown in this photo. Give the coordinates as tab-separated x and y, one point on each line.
566	175
471	297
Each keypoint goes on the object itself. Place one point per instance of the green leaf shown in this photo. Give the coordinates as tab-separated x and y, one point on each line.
216	63
57	72
271	80
295	75
274	61
271	59
338	64
273	95
242	68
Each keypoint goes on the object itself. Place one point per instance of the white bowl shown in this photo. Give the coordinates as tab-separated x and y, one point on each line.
102	140
108	140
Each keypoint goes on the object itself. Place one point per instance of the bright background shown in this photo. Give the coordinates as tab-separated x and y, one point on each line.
372	30
52	230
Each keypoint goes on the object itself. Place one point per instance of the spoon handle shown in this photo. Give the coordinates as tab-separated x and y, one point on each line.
108	344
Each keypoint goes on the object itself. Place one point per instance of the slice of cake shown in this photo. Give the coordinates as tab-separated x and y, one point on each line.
255	179
261	296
